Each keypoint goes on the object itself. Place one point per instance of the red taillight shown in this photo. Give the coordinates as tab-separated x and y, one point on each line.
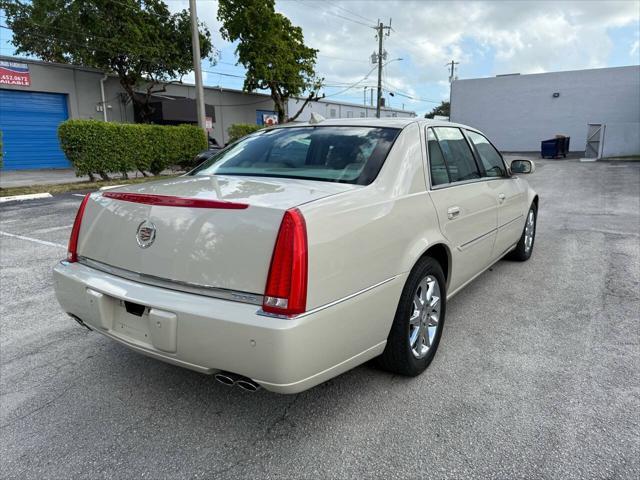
286	291
72	251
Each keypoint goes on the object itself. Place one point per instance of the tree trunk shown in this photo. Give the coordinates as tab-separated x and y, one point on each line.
282	115
278	102
142	102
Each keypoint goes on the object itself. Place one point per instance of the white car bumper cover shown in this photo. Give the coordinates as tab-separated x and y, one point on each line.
207	334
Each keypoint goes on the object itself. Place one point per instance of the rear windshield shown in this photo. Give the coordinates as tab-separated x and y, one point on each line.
332	154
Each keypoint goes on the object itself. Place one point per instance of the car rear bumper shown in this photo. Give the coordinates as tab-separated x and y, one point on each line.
208	335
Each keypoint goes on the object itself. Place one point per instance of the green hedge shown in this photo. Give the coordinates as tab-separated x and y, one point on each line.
239	130
95	147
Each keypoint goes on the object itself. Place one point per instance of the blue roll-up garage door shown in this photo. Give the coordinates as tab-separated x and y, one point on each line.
29	123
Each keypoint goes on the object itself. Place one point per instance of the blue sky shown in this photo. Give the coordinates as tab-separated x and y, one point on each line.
487	38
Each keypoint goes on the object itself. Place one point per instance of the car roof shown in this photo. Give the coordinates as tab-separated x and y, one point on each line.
388	122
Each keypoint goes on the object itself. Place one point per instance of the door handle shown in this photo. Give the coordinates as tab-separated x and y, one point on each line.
501	197
453	212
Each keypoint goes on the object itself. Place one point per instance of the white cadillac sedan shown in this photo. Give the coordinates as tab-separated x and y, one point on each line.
300	251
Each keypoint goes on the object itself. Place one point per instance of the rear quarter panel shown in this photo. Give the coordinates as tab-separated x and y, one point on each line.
361	238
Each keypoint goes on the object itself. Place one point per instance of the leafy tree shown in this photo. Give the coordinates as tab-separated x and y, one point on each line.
442	110
140	41
272	50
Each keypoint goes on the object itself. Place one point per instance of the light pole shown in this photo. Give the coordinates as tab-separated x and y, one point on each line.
197	68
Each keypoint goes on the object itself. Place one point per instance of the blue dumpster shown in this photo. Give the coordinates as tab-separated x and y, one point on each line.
555	147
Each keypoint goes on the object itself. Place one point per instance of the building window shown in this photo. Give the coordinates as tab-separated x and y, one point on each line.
332	113
362	114
349	114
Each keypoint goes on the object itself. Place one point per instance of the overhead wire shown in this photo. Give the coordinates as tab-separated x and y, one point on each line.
350	12
230	75
330	12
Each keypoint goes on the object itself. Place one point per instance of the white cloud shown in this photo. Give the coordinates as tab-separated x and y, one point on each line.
504	36
518	36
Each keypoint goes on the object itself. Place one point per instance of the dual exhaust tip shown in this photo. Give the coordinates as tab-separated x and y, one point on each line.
230	379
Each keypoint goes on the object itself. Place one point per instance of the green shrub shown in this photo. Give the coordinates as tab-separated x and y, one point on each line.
239	130
95	147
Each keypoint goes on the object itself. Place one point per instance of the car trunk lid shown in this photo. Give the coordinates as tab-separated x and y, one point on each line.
205	231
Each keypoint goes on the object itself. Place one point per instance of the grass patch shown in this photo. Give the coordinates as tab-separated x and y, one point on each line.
77	186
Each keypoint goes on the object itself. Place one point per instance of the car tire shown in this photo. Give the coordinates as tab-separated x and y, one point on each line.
402	354
524	249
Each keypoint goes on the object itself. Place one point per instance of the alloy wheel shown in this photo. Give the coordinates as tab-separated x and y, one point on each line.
425	316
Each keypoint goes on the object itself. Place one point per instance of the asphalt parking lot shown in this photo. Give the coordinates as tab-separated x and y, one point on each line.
537	375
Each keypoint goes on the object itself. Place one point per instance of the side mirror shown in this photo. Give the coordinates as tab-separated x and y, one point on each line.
523	166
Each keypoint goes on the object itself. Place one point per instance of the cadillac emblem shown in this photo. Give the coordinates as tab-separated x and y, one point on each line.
146	234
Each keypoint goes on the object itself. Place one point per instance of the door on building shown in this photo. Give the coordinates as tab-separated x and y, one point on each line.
594	137
29	123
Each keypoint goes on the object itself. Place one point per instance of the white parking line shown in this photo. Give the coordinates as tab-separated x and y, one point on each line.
29	196
35	240
78	194
52	229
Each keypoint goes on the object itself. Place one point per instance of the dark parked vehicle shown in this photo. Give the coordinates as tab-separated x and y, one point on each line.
205	155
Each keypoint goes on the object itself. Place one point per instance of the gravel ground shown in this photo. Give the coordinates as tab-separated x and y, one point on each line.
537	375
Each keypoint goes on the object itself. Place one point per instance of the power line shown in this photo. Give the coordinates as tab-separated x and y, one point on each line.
298	2
351	12
353	85
331	84
396	91
347	18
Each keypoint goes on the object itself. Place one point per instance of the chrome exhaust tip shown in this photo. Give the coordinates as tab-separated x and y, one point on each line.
248	385
229	379
226	378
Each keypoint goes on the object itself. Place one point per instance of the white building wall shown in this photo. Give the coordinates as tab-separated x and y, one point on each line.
519	111
330	109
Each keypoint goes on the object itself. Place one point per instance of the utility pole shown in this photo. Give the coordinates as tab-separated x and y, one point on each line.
452	72
197	68
380	29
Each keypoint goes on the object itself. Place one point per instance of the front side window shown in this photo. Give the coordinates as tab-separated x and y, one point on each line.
333	154
457	154
489	156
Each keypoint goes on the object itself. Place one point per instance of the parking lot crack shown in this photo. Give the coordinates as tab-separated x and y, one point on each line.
36	410
280	418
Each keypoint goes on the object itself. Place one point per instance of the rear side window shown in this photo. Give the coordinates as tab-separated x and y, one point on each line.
438	169
489	156
332	154
457	154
